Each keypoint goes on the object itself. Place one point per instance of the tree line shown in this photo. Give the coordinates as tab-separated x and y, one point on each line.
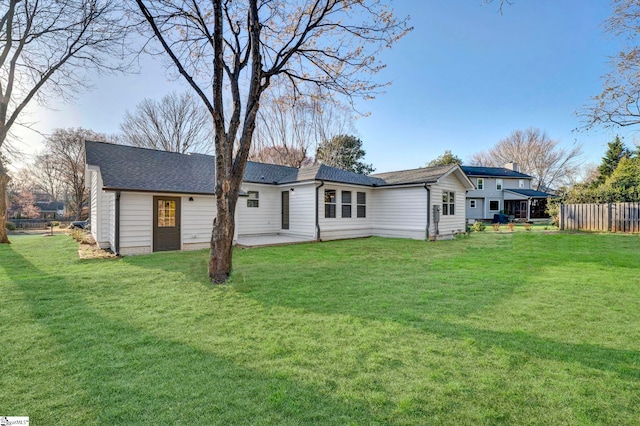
615	180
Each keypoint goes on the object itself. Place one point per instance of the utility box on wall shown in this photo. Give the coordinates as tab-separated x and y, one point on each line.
436	214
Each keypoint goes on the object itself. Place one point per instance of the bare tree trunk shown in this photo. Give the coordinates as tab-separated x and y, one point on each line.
4	182
220	258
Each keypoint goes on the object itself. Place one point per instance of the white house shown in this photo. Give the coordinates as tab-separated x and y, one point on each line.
145	200
503	190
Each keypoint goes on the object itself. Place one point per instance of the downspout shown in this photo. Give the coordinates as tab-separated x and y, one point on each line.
317	214
426	187
117	247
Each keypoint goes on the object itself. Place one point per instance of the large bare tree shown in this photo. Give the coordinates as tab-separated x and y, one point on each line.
619	102
176	123
236	49
66	147
46	49
47	175
290	128
536	154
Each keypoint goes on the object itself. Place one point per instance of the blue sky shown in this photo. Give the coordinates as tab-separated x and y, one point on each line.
465	78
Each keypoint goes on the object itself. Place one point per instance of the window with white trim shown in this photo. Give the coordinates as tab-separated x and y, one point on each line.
520	183
480	183
472	204
361	199
346	204
494	206
448	203
253	200
498	184
329	203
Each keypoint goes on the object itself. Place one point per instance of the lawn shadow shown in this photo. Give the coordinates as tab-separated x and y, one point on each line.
127	375
192	265
439	304
432	306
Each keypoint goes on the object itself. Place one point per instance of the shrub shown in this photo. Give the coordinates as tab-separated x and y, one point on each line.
10	226
511	226
496	227
479	227
80	235
527	226
553	209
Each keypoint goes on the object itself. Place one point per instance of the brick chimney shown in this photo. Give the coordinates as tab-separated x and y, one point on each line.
512	166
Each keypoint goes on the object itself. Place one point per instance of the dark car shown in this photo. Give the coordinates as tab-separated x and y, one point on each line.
80	224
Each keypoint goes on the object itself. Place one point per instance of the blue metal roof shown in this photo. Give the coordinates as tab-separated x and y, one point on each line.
530	193
494	172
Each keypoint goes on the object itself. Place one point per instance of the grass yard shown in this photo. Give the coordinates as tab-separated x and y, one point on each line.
496	328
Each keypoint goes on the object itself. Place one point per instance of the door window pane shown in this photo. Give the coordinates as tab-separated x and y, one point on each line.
166	214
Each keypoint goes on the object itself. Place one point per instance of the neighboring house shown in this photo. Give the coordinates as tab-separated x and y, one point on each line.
51	210
503	190
144	200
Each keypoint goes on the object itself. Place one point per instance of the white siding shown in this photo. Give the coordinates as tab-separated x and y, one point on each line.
109	217
101	212
136	223
399	212
302	201
264	219
197	220
449	225
94	213
339	227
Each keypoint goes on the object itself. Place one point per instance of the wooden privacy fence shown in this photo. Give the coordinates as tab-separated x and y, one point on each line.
612	217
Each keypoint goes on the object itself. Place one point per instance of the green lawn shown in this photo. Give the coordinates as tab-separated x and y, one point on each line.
497	328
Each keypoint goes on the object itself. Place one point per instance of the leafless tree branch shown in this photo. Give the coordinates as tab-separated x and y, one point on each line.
536	154
176	123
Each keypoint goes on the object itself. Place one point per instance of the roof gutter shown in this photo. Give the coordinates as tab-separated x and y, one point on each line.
317	214
426	231
117	231
156	191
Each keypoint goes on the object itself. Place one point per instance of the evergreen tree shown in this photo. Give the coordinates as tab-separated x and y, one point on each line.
445	159
616	151
627	175
344	152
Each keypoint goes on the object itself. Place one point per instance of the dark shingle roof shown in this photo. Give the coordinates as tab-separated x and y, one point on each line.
422	175
334	174
268	173
531	193
131	168
493	172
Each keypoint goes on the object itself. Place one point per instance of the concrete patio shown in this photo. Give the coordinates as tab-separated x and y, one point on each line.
250	241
